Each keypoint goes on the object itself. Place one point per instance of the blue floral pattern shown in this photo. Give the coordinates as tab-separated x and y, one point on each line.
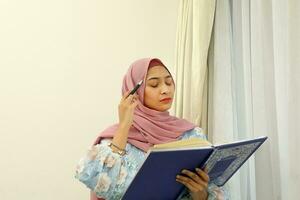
108	174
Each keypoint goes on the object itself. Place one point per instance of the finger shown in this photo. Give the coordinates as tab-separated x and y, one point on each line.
128	100
188	180
192	175
190	184
132	101
205	169
190	187
135	103
125	96
135	97
203	174
199	183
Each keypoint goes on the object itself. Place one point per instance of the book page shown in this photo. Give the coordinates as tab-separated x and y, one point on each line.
192	142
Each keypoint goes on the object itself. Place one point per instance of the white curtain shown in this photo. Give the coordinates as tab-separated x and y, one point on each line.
195	21
254	86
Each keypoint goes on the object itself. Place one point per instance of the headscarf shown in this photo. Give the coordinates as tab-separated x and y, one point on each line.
149	126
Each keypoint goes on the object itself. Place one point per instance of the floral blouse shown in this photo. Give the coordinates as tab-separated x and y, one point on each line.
108	174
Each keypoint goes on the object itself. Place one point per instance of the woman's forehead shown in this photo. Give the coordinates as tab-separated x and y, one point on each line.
157	71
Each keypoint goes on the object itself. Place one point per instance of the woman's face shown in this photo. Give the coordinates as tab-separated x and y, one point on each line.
159	89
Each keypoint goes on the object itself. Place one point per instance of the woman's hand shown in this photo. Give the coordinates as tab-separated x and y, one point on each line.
197	183
126	109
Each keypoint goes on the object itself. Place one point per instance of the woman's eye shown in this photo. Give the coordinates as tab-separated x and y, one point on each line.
153	83
169	82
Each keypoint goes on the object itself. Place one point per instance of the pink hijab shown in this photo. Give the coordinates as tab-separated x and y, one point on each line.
149	127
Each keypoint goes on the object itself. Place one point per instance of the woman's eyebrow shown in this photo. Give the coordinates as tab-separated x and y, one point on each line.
151	78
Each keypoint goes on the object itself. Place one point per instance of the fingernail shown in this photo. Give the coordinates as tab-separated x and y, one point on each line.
197	169
184	171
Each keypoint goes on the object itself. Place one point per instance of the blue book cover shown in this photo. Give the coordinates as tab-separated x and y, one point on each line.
156	176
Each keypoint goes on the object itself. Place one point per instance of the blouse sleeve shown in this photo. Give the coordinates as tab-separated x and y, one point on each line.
106	173
218	193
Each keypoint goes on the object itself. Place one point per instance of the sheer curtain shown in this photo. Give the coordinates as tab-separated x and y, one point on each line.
195	21
229	102
254	86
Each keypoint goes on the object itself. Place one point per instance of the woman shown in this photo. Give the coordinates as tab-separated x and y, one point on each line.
144	120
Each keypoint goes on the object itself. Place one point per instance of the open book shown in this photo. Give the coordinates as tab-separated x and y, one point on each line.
156	176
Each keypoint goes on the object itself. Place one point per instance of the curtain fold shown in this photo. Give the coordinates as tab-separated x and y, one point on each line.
194	26
227	112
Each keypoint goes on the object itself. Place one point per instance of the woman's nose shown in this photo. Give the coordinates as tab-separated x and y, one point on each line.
164	89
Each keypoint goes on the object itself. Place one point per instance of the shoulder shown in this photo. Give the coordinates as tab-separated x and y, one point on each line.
196	132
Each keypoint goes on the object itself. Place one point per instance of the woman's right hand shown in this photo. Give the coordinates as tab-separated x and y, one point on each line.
126	109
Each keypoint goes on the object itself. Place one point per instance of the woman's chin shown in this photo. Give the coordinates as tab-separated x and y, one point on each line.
161	107
164	108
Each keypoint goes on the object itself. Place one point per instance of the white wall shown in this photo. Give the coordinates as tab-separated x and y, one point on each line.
61	67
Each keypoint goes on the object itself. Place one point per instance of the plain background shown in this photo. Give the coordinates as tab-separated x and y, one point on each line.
61	68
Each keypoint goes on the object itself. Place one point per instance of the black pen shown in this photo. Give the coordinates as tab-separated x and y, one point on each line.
136	87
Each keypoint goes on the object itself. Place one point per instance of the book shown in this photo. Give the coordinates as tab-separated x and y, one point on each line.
155	178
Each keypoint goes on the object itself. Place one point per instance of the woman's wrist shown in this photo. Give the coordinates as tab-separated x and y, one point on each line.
117	149
120	137
123	127
200	195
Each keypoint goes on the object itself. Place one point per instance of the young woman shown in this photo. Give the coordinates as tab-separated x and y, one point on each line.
144	120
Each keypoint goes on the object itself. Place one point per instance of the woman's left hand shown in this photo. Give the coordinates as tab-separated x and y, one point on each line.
197	183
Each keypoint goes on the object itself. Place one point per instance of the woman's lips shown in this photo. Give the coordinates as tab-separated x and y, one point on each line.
166	100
